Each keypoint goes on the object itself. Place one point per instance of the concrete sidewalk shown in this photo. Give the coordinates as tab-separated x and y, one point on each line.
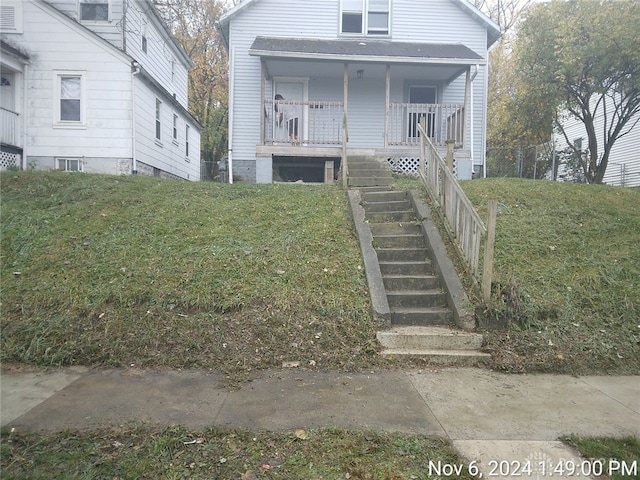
489	416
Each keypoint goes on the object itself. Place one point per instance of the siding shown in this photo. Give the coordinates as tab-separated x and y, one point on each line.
438	21
159	56
110	31
624	160
53	46
167	155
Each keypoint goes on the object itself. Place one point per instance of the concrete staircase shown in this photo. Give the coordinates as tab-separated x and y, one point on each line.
421	320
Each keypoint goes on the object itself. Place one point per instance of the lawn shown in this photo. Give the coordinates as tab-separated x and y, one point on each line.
119	271
567	276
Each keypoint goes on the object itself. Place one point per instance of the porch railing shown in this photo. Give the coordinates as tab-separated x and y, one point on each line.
10	128
462	220
319	123
444	121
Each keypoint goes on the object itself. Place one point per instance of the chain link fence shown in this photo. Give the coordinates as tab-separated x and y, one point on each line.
531	161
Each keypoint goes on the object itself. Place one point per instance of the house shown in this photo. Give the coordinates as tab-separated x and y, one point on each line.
623	169
98	86
381	66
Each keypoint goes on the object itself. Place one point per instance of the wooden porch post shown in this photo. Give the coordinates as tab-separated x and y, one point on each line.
387	100
345	129
263	112
465	117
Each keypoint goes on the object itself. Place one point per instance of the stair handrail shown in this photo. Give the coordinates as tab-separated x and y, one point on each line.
461	219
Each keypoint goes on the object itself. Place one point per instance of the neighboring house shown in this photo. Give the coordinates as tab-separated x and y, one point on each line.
624	160
97	86
384	65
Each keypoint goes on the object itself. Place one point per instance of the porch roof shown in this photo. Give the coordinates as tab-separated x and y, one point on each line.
374	51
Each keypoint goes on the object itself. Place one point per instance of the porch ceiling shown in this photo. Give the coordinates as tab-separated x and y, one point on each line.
326	58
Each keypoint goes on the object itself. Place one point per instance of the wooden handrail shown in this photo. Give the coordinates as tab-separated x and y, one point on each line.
461	218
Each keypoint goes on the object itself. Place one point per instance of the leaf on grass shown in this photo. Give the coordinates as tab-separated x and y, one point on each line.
301	435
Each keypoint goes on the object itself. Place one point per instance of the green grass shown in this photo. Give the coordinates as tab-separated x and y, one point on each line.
567	276
101	270
618	456
143	452
119	271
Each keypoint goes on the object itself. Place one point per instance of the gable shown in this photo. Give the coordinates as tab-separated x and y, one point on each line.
492	29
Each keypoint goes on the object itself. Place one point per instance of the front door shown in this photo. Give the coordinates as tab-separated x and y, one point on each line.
289	118
422	101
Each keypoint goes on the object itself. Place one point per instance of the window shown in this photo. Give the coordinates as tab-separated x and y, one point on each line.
175	128
365	16
69	99
378	17
144	44
186	140
69	164
94	10
158	122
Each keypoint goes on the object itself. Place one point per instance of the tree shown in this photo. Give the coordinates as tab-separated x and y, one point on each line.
580	59
193	23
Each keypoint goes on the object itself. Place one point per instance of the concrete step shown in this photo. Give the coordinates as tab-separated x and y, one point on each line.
369	181
429	338
399	241
405	268
391	217
375	188
402	254
390	206
416	298
421	316
413	282
449	358
396	228
388	196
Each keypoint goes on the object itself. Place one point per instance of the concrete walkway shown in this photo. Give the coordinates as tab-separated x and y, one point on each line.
489	417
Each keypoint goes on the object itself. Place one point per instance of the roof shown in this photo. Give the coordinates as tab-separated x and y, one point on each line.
365	50
13	51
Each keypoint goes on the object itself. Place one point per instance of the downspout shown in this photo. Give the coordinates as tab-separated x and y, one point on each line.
25	92
231	97
471	129
135	70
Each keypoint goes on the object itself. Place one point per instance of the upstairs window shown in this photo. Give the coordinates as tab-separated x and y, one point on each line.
94	10
365	17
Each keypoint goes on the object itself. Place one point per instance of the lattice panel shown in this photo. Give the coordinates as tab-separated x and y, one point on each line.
404	165
409	165
9	160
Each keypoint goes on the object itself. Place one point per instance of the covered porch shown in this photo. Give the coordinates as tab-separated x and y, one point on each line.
379	90
13	66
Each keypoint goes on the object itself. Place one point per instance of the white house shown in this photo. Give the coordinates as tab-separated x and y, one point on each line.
381	65
623	169
96	86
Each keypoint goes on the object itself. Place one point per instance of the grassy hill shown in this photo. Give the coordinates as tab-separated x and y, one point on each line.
122	271
567	275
